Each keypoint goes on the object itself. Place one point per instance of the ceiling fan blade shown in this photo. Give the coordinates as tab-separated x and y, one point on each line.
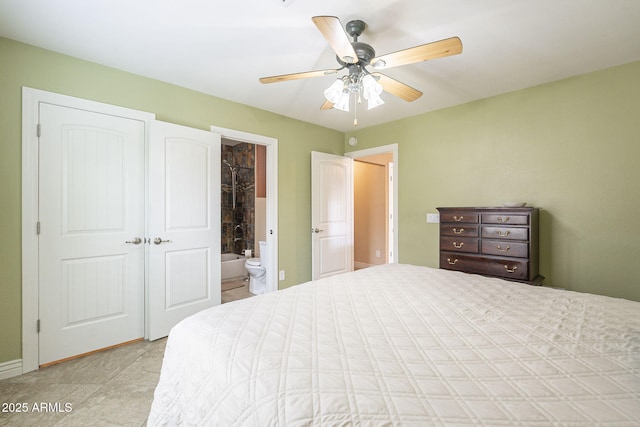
296	76
332	30
328	105
439	49
397	88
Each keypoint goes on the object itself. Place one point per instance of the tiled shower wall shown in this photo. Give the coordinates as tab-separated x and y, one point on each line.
237	239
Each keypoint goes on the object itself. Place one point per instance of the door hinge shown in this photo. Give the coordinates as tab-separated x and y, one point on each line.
38	326
38	130
38	228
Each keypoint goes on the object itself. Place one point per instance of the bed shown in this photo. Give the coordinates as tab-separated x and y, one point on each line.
403	345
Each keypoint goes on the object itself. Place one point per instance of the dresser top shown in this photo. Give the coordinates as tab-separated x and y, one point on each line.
488	208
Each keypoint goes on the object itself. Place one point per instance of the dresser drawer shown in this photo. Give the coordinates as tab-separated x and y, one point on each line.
505	219
459	230
505	233
505	248
459	217
505	268
459	244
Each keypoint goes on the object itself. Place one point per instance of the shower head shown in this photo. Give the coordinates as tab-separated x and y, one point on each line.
230	167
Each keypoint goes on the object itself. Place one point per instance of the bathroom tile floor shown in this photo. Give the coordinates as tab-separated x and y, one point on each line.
236	290
111	388
233	283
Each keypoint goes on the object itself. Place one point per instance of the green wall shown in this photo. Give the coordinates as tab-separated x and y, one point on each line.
23	65
570	147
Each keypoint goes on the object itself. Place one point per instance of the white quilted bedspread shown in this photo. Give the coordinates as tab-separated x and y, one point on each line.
402	345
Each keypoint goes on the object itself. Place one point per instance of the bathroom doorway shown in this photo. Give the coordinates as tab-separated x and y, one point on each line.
243	210
248	172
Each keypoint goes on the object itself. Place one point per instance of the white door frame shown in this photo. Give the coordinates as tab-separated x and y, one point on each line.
272	194
31	99
384	149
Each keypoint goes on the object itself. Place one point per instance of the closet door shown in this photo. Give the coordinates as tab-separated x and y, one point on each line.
92	223
184	224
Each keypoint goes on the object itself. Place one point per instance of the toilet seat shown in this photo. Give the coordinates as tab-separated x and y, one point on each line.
254	261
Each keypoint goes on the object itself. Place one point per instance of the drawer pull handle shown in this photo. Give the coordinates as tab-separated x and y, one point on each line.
501	219
458	245
510	270
452	262
458	218
456	231
503	233
503	250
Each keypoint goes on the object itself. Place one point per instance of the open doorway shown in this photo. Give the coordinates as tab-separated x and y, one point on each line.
243	231
375	206
249	178
371	212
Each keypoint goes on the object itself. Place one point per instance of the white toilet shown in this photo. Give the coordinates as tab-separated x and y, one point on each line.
258	271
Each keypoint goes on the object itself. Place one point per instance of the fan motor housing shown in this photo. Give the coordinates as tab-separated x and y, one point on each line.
364	51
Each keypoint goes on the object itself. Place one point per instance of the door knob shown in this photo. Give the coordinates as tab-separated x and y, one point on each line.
316	230
159	241
135	241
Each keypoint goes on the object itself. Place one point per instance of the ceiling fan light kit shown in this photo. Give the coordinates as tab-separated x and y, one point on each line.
360	84
355	56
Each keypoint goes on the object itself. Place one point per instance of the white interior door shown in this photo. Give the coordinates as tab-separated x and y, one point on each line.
91	215
331	214
184	224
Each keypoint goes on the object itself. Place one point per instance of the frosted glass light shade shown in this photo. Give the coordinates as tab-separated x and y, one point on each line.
343	102
336	94
333	92
371	91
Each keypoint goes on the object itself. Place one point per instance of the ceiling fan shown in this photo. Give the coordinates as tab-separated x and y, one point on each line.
355	56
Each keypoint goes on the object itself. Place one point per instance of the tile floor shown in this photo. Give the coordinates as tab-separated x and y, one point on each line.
110	388
238	289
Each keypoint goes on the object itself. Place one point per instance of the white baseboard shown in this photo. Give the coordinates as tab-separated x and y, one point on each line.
10	369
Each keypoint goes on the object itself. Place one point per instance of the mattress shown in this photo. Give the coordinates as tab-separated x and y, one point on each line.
403	345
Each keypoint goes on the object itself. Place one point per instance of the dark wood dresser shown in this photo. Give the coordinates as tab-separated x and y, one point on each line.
499	242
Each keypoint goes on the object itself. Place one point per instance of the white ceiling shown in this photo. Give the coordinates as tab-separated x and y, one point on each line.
222	48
